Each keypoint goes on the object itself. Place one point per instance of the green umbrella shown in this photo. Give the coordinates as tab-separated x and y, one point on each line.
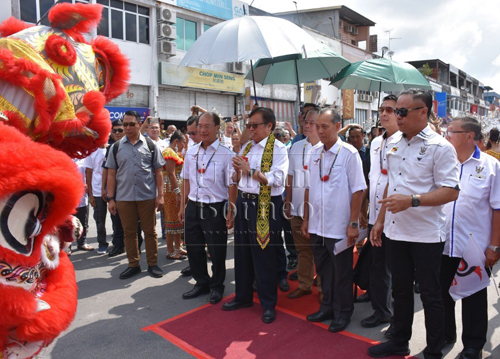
380	75
297	69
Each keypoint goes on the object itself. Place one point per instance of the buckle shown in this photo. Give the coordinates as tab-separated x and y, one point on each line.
248	195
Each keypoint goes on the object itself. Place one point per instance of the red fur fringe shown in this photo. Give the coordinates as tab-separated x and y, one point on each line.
75	19
119	66
54	49
11	26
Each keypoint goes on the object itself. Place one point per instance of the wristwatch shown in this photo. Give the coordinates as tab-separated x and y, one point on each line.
494	248
251	172
111	198
415	201
354	224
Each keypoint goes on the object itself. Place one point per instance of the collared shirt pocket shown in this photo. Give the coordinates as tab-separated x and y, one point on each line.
337	177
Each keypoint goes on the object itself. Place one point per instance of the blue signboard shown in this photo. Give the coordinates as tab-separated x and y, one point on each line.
116	113
223	9
441	101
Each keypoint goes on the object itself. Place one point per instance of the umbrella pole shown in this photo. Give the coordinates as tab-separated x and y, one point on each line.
298	90
253	80
379	96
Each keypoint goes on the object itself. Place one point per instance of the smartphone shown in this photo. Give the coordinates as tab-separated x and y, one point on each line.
153	120
227	119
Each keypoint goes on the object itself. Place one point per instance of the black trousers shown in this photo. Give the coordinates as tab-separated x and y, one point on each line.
82	213
206	225
380	281
100	211
474	309
250	260
117	231
423	261
336	277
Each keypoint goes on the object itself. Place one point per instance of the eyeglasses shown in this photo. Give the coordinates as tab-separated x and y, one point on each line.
192	133
253	125
388	110
115	130
131	124
450	133
403	112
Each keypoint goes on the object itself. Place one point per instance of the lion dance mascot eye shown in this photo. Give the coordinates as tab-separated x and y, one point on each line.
53	88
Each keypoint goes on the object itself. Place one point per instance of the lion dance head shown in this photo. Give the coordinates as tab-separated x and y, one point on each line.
53	88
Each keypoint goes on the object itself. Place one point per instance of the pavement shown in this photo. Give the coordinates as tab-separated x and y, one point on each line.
112	312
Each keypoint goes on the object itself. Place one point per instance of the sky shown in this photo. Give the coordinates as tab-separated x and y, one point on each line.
463	33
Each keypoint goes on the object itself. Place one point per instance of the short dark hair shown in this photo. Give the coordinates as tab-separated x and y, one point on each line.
494	135
335	115
192	119
307	104
390	98
470	124
214	116
116	123
315	109
133	113
358	127
267	115
422	95
279	132
176	135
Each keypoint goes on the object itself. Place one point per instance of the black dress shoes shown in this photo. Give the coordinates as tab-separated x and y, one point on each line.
215	297
269	316
283	285
469	353
235	305
130	272
363	298
155	271
372	321
338	325
116	251
292	264
386	349
186	272
319	317
294	276
195	292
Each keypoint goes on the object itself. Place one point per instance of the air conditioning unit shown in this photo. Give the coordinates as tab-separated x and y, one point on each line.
349	28
354	30
167	31
375	94
166	15
168	48
236	67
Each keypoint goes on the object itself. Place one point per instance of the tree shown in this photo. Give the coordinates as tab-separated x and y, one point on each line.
426	70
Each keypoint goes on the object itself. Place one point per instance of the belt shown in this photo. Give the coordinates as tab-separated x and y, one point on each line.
202	204
246	195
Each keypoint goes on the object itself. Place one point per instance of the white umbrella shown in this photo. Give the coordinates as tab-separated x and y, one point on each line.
250	38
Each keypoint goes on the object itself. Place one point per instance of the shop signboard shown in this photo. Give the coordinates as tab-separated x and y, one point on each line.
348	104
117	113
222	9
441	98
182	76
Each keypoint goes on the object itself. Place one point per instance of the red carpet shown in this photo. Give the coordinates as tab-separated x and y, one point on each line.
209	332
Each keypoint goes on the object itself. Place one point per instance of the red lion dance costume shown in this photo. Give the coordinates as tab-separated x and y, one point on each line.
53	88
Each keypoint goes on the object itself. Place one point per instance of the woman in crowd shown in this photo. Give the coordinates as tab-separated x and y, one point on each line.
493	144
173	167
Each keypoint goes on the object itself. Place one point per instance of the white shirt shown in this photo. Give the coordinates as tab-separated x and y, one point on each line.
378	180
472	212
161	144
94	162
209	172
277	174
330	210
227	141
298	158
423	164
84	201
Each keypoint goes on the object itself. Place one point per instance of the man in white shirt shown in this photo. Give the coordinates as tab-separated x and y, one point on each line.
227	135
298	174
476	212
380	276
153	131
423	176
93	173
331	211
207	183
260	170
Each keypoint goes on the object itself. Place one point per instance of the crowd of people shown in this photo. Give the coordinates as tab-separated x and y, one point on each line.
420	194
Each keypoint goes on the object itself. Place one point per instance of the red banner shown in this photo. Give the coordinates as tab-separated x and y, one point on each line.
435	107
473	109
348	104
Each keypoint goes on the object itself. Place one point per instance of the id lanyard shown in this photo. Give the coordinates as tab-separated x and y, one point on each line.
326	177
